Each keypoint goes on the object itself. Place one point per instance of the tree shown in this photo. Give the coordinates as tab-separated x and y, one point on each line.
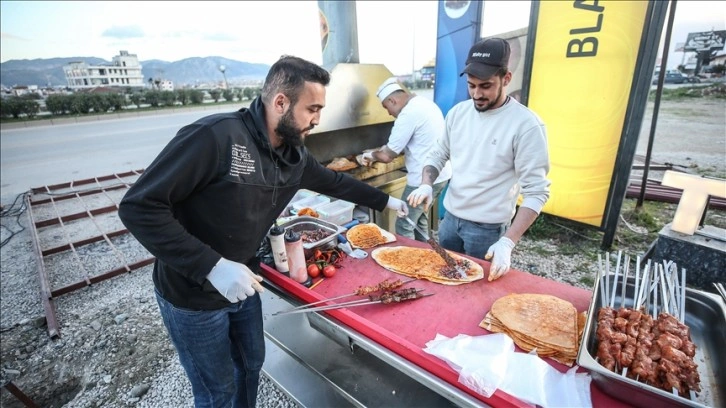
228	95
153	98
117	101
182	95
196	96
56	104
136	99
80	104
168	98
10	107
215	94
248	93
99	103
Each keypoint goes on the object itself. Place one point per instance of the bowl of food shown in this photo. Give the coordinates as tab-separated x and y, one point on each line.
315	232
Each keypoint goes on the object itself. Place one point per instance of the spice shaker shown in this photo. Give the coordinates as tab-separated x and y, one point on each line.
279	253
296	258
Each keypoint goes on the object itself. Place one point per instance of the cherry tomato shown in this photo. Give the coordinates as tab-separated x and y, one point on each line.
313	270
329	271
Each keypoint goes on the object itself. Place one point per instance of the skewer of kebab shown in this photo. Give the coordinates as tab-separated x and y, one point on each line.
383	286
386	298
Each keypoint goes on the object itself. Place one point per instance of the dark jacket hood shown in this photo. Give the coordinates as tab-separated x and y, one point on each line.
286	154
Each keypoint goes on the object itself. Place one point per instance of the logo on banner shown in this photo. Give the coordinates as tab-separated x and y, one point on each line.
456	8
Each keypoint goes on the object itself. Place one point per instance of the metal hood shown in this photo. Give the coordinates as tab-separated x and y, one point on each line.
351	97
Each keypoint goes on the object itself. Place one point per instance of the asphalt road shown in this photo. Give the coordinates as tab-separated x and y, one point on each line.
37	156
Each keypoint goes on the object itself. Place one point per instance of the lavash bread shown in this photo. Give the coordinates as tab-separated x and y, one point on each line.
423	263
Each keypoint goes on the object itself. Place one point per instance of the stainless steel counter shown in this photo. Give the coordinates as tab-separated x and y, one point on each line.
322	363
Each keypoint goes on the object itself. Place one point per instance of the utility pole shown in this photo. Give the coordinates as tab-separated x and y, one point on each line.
222	69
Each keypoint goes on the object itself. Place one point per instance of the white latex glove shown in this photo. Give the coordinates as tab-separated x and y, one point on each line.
501	252
397	205
423	194
367	159
233	280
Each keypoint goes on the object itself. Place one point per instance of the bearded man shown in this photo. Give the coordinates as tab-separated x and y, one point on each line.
204	205
498	150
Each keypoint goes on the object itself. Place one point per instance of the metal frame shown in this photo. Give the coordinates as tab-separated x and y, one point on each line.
76	190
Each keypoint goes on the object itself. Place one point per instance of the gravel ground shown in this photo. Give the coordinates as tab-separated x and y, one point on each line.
114	351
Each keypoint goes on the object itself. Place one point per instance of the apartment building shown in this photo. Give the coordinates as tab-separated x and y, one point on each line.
124	71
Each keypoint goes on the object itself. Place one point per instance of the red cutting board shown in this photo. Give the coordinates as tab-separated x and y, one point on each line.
406	328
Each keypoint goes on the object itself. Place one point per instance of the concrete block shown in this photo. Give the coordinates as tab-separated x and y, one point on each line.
702	254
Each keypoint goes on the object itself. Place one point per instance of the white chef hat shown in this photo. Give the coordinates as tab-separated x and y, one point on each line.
388	87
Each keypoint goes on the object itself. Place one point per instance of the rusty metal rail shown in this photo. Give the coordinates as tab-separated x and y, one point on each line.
53	195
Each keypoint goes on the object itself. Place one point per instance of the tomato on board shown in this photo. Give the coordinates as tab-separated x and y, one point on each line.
313	270
329	271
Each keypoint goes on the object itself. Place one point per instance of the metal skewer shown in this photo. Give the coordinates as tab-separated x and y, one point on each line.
636	294
615	280
607	277
603	300
353	303
343	296
625	281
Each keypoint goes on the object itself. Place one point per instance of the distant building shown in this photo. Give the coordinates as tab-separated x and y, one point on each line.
166	85
124	71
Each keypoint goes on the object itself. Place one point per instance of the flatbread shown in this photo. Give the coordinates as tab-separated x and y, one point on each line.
341	164
547	318
368	236
546	324
423	263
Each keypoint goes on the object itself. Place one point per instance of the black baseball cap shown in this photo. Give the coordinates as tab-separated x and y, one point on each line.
486	57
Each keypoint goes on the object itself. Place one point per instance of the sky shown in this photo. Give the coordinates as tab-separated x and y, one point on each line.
399	34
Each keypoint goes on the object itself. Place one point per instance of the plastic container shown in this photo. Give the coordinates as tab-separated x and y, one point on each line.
296	257
313	202
300	195
338	212
277	242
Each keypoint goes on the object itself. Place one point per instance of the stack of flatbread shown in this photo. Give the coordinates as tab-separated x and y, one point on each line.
547	324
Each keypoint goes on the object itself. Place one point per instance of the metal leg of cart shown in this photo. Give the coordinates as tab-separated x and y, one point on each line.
320	365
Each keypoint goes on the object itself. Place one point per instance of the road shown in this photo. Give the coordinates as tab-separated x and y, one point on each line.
37	156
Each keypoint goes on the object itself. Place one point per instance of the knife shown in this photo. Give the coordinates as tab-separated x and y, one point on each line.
438	249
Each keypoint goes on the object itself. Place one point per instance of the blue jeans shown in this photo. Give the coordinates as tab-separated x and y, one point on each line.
417	214
471	238
222	351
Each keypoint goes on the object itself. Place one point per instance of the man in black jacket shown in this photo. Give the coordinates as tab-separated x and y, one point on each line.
203	206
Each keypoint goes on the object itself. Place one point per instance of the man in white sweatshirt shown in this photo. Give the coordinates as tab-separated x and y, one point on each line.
419	123
498	150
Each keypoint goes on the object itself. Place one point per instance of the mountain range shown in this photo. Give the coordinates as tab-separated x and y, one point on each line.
189	71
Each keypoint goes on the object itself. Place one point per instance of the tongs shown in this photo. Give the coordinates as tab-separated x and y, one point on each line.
439	250
386	298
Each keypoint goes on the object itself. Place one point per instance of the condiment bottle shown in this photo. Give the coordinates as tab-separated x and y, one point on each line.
277	242
296	258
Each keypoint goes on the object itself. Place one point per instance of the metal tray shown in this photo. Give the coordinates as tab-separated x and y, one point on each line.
306	223
705	315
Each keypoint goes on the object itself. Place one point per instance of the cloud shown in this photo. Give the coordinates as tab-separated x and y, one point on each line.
8	36
220	36
123	32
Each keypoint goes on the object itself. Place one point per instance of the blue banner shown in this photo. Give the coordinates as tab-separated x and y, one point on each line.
458	29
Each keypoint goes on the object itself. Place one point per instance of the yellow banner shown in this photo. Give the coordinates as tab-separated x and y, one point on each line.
583	66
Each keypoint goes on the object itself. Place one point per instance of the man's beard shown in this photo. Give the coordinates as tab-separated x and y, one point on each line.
490	104
287	130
